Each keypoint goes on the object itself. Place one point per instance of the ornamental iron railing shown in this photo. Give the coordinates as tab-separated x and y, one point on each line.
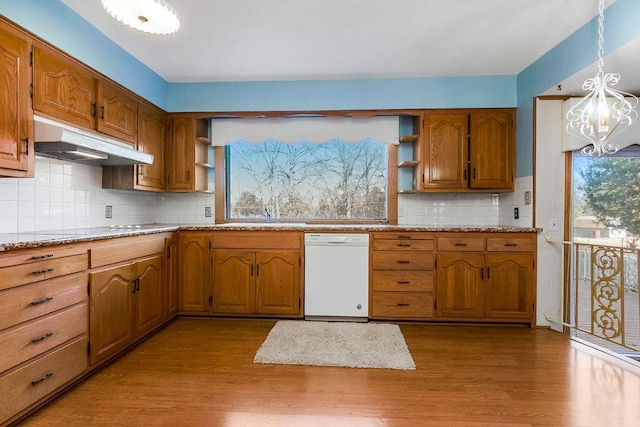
606	297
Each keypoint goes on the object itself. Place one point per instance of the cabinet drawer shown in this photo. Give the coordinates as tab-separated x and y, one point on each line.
402	236
126	248
41	270
41	254
461	244
510	244
34	338
24	303
400	260
402	281
402	305
30	383
402	245
257	240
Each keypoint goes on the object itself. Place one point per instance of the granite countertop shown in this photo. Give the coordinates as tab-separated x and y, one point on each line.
12	241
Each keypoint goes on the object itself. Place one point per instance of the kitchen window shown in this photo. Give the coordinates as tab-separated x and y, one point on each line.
305	174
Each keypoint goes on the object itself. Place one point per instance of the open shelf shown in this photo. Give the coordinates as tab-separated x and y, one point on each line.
408	164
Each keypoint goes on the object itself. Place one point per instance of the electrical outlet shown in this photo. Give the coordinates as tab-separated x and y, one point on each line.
553	224
208	212
108	211
400	211
527	197
516	213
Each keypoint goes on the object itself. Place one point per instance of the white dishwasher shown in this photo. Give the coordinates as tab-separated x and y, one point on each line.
336	276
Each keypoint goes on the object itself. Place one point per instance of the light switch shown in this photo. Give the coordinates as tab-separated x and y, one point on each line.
527	197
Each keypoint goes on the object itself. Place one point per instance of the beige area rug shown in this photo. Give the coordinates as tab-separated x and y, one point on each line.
346	344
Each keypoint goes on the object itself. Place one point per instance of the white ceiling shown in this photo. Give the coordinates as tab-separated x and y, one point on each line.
253	40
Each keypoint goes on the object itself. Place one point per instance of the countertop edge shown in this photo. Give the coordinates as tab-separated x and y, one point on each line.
43	240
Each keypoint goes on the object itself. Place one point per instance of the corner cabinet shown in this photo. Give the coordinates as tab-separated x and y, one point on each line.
127	284
470	150
16	122
151	139
187	150
486	277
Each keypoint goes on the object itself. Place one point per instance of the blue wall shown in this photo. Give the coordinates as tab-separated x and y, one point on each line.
58	24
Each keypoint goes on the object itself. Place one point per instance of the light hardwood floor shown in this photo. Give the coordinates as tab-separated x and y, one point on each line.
200	372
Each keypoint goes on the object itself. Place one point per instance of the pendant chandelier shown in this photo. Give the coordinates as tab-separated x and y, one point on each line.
604	111
150	16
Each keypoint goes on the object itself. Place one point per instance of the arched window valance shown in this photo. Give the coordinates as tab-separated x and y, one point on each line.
316	130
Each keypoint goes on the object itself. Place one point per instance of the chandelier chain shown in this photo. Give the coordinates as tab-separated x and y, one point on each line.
601	38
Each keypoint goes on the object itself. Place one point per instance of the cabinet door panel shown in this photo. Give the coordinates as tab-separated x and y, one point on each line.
62	90
491	150
151	137
234	281
111	326
446	151
459	286
149	294
195	283
278	282
181	154
171	278
16	134
509	286
117	112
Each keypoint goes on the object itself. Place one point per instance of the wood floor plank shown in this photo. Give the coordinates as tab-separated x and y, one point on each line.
200	372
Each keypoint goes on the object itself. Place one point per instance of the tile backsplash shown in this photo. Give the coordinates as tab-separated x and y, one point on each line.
65	195
462	209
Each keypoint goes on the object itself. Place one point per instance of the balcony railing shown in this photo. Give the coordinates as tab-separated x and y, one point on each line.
606	298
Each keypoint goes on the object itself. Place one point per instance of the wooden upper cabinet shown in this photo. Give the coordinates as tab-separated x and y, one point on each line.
151	138
470	150
445	151
63	89
492	149
16	124
117	112
181	154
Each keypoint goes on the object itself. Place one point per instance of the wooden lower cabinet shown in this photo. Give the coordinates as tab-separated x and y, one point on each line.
490	278
194	293
241	273
249	282
127	293
460	289
402	276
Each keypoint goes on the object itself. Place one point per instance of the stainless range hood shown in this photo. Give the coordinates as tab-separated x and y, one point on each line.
60	141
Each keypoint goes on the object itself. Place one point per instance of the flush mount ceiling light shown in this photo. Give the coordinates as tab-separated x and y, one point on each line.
604	112
151	16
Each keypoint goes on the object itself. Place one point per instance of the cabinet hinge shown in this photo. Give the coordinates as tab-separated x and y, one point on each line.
31	90
31	58
435	263
210	247
533	264
88	288
168	252
210	300
88	349
299	261
299	302
435	304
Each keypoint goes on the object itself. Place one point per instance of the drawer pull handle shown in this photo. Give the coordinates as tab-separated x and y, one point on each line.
404	245
46	270
511	244
403	262
404	237
36	257
403	304
460	244
42	378
42	338
403	282
41	301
